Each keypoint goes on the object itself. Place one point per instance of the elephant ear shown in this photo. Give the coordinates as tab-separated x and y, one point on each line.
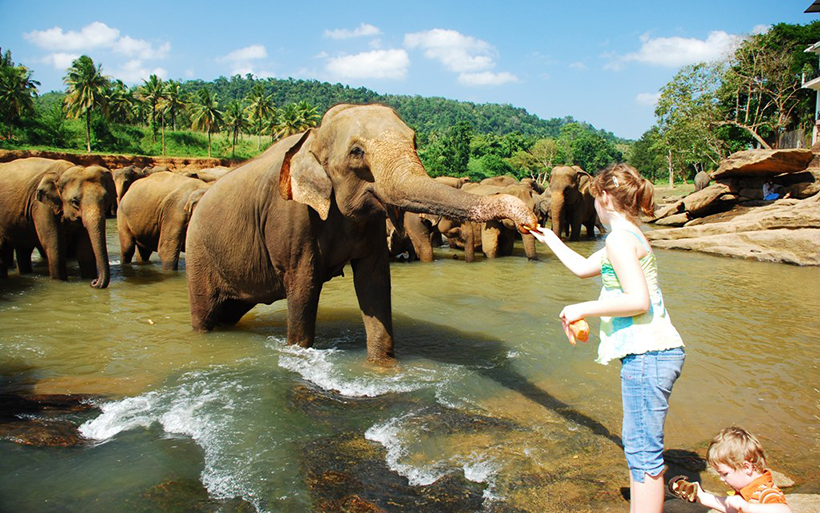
48	193
193	200
303	179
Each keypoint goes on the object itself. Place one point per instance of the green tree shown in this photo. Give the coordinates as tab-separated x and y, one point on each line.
175	101
456	149
259	111
235	123
151	92
120	102
206	114
17	92
648	154
87	88
592	152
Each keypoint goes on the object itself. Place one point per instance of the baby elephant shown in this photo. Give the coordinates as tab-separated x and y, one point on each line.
153	216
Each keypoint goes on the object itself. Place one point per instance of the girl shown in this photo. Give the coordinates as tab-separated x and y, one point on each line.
635	327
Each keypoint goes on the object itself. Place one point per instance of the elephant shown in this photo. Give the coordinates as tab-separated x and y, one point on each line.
452	181
58	208
702	180
210	174
572	202
154	216
307	206
124	177
499	181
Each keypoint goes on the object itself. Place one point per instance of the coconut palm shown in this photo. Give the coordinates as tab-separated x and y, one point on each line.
175	101
309	114
295	118
120	102
235	123
206	114
17	91
151	92
86	92
259	111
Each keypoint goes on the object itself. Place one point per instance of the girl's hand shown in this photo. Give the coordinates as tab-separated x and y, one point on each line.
570	314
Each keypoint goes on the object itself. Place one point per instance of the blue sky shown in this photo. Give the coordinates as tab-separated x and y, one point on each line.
599	61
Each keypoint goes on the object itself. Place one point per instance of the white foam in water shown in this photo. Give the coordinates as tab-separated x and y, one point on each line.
324	368
388	434
188	409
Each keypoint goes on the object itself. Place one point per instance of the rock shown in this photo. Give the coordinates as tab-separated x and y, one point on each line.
801	185
36	419
674	220
763	163
706	201
784	231
803	502
668	210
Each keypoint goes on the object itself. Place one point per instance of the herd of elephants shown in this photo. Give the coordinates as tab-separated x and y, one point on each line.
351	190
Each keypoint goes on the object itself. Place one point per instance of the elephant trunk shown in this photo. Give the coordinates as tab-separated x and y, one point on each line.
94	223
402	181
556	212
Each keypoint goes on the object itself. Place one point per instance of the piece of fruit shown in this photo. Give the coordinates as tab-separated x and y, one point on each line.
580	330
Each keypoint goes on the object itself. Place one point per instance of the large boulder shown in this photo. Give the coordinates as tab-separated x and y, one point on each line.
786	231
763	162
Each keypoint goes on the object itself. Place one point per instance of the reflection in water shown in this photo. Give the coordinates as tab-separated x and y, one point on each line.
474	341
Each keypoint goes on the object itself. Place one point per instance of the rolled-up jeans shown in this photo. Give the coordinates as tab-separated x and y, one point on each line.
646	383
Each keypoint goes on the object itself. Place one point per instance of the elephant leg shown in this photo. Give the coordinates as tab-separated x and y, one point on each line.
170	245
23	255
6	258
231	310
468	230
529	246
490	240
51	234
303	290
144	254
85	255
420	236
127	241
371	278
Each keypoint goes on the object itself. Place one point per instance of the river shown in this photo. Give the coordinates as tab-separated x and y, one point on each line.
489	407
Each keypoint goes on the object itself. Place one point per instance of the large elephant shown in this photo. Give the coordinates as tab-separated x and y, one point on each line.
154	216
572	203
59	208
306	207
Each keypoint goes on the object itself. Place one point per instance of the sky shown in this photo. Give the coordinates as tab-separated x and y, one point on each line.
602	62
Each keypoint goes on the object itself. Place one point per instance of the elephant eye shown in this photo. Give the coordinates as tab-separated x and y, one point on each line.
356	152
75	202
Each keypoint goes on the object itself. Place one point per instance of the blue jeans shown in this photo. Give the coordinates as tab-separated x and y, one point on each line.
646	383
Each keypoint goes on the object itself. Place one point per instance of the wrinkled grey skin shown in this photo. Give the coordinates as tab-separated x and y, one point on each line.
60	209
154	216
305	208
702	180
572	203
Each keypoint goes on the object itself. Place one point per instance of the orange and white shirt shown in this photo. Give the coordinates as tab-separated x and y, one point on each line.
763	491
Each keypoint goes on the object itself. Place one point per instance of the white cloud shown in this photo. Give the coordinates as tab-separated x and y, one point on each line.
133	72
365	29
95	36
391	64
59	60
580	66
486	78
648	99
241	62
760	29
457	52
674	52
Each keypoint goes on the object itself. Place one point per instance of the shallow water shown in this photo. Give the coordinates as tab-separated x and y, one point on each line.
487	387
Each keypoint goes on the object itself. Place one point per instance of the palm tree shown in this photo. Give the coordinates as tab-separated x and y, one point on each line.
175	100
151	93
309	114
259	111
120	102
235	122
86	92
17	91
206	114
295	118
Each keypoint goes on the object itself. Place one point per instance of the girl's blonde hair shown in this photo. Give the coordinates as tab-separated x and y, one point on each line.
733	446
631	193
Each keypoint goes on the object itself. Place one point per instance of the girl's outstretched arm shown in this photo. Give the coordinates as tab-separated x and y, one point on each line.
578	265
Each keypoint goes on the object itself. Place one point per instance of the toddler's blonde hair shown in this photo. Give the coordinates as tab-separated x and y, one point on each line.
734	446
